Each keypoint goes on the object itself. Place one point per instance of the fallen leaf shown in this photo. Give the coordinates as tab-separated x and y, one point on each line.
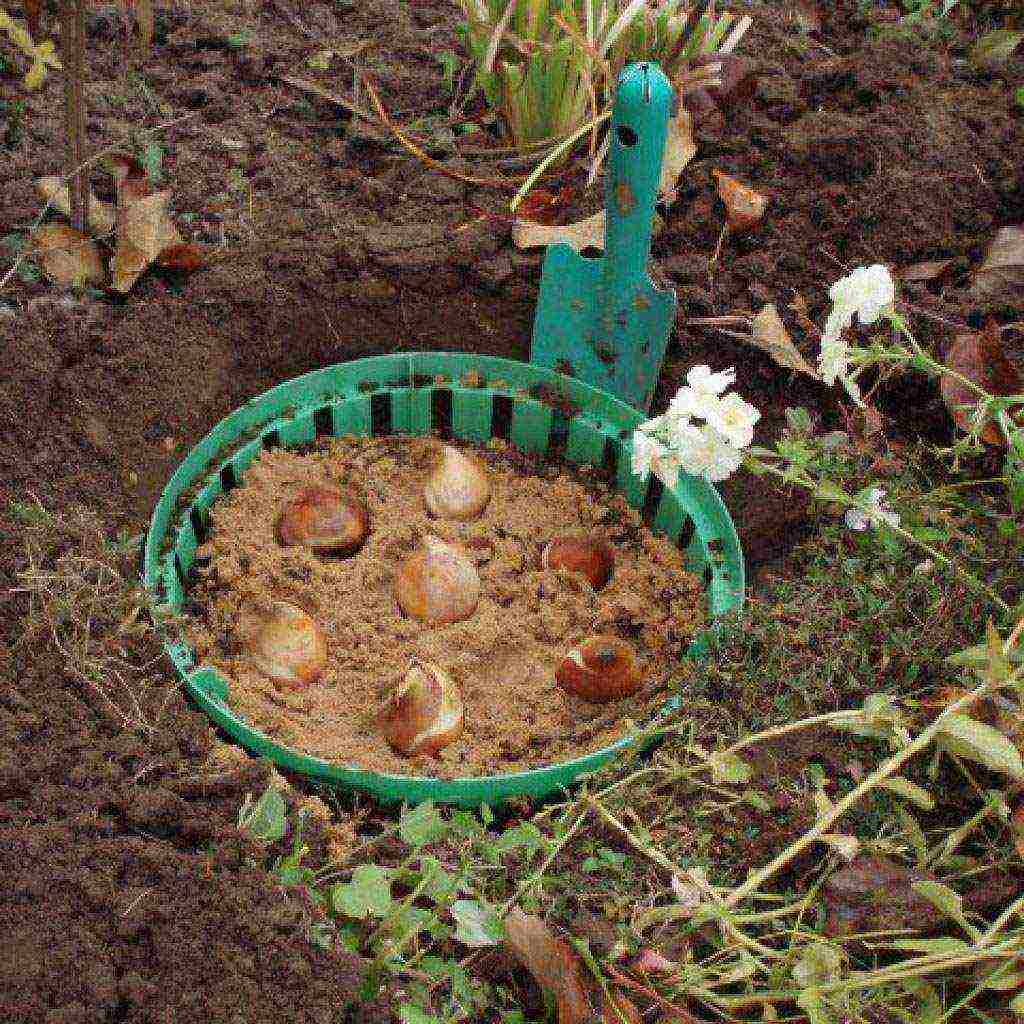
927	270
995	48
582	234
737	81
744	206
553	964
55	192
144	231
876	894
541	206
187	257
980	358
1003	265
769	334
679	151
67	257
131	182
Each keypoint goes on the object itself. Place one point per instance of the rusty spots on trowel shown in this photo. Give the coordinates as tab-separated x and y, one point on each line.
625	197
641	302
605	353
565	367
577	305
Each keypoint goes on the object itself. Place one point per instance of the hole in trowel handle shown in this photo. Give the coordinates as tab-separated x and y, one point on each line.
591	252
627	137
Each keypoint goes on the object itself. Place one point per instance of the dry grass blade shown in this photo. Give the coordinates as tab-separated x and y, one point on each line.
417	151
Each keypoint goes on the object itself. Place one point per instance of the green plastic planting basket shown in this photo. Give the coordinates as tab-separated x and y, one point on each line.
535	409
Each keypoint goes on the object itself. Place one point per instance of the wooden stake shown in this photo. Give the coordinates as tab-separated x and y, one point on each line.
72	42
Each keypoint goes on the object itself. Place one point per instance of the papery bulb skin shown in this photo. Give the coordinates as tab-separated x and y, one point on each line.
459	487
289	647
326	519
438	583
602	669
425	712
593	557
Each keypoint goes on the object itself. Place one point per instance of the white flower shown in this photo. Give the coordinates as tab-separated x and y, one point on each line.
666	468
708	454
646	451
734	419
833	360
867	291
872	512
700	394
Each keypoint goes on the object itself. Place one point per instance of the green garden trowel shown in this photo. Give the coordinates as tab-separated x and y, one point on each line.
600	317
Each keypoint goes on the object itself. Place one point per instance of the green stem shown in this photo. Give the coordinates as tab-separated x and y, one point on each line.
824	824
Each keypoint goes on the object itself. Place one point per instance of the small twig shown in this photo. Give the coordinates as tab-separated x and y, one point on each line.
72	40
435	165
677	1013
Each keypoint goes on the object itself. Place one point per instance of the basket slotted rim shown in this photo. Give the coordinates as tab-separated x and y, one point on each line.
418	393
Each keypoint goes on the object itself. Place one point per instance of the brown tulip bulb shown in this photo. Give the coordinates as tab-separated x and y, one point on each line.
438	583
602	669
593	557
325	519
425	712
459	488
290	647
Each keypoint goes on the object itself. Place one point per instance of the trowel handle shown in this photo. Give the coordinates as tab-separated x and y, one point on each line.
640	117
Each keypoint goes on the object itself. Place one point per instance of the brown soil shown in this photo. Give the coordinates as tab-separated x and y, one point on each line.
503	657
129	895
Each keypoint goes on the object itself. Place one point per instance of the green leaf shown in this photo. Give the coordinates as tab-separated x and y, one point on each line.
820	962
476	923
409	1014
967	737
909	791
947	900
422	824
525	836
943	944
729	768
436	883
1017	1004
152	161
995	47
264	820
367	895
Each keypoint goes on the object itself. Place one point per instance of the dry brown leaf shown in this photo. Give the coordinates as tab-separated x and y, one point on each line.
679	151
66	256
54	191
144	231
744	206
188	257
981	359
581	234
927	270
1003	266
553	964
650	961
768	333
131	182
736	81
